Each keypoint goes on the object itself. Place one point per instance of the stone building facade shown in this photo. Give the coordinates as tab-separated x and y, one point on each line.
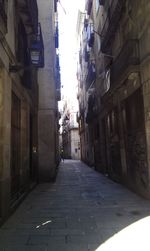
28	98
49	92
114	120
18	102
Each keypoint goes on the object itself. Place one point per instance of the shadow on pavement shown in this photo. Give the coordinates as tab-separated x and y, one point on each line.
83	210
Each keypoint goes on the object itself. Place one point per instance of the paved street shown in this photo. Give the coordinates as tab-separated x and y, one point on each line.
82	211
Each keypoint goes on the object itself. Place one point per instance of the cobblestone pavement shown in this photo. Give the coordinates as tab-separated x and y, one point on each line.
82	211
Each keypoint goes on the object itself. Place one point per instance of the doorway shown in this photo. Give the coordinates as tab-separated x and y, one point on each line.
135	139
15	146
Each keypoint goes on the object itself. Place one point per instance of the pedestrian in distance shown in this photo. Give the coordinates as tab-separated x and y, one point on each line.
62	155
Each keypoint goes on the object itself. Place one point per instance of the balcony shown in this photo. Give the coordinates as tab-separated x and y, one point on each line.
91	76
29	13
126	62
86	21
91	40
86	54
3	18
92	106
111	24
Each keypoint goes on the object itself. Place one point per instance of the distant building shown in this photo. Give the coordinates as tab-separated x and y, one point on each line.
70	131
86	74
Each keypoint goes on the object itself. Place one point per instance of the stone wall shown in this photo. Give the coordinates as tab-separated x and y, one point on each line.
47	118
10	84
134	166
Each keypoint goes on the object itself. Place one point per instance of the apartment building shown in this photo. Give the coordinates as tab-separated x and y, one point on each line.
116	96
70	130
21	54
29	91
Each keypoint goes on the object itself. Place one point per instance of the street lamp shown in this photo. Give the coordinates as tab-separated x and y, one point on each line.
35	57
37	50
35	53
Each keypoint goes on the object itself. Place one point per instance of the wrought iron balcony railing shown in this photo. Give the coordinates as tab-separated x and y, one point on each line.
29	13
126	60
92	107
91	76
111	23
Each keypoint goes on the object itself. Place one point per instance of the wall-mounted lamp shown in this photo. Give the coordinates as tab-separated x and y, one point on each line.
35	52
35	56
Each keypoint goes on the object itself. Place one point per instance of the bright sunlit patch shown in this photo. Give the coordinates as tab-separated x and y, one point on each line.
45	223
134	237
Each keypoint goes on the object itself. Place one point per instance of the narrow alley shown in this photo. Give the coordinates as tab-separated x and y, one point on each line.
83	210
